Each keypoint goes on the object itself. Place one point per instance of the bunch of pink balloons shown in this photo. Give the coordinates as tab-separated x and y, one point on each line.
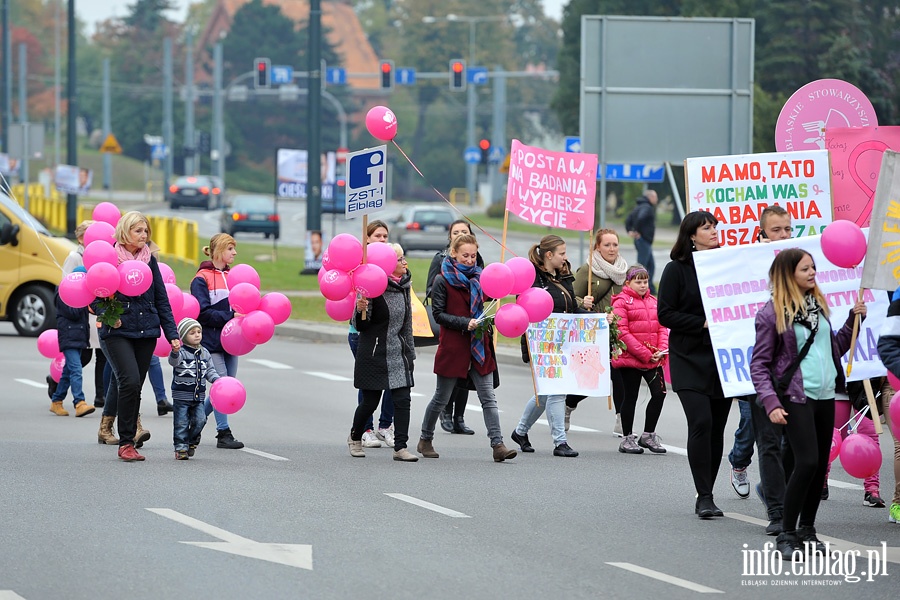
516	276
343	274
259	314
844	244
48	346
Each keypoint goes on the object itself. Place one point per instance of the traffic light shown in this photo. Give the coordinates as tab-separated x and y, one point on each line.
386	70
262	68
485	146
457	75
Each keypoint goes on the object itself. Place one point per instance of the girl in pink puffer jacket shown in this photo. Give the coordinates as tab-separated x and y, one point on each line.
647	343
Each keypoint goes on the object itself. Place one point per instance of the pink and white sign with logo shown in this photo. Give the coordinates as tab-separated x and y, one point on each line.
555	189
817	106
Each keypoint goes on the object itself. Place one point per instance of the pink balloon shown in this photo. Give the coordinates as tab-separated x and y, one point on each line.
243	297
322	271
103	280
176	298
243	274
860	456
135	277
344	252
100	230
326	261
168	275
163	347
107	212
257	327
497	280
836	442
277	305
382	255
894	414
511	320
523	273
894	381
335	284
48	343
381	123
99	252
73	290
341	310
227	395
537	302
56	367
190	307
233	341
369	280
844	243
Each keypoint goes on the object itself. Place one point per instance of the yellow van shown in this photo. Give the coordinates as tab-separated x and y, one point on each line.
31	261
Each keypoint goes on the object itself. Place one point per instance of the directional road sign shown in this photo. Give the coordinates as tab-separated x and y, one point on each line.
405	76
159	151
496	155
335	76
573	143
282	74
477	75
472	155
639	173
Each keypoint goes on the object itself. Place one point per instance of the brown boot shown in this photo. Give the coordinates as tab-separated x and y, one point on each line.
57	409
83	408
141	435
426	449
502	453
106	435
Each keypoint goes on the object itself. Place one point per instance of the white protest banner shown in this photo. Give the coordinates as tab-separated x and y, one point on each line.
570	354
736	189
882	266
734	286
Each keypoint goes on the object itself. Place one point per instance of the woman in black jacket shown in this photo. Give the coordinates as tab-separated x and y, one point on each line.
553	273
692	363
452	417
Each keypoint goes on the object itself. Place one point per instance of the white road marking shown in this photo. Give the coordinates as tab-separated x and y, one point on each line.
327	376
690	585
416	395
428	505
36	384
9	594
843	484
269	363
571	427
264	454
292	555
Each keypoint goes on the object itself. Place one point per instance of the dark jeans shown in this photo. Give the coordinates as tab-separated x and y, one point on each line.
631	378
111	408
129	359
366	409
742	452
706	420
771	467
188	419
618	392
387	406
645	257
99	373
809	429
459	397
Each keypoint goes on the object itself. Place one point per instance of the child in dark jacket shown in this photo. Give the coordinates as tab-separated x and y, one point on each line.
193	368
73	332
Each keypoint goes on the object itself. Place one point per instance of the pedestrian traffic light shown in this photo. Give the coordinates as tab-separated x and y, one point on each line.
457	75
386	69
485	146
261	66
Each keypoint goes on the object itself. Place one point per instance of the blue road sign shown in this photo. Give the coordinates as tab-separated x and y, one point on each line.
366	181
638	173
335	76
405	76
282	74
573	143
472	155
477	75
158	151
496	155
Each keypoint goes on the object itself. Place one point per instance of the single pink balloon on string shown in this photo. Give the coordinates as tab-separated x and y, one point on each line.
99	251
106	212
227	395
860	456
537	302
836	441
243	297
48	343
381	123
277	305
335	284
190	307
257	327
523	273
341	310
844	244
511	320
73	290
894	413
233	341
102	280
243	274
369	280
382	255
497	280
135	277
56	367
100	230
168	275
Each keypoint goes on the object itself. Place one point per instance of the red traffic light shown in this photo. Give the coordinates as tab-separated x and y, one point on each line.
385	67
387	74
484	144
457	67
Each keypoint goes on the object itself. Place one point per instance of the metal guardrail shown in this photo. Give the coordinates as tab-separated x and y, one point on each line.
177	238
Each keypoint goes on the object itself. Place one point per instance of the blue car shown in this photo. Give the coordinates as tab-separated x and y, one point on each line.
251	213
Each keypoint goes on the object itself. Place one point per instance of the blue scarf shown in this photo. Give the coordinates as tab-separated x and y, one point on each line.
467	278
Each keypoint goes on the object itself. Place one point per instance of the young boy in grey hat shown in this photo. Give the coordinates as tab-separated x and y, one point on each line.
193	368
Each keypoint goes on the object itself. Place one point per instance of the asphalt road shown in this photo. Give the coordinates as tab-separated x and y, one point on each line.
294	516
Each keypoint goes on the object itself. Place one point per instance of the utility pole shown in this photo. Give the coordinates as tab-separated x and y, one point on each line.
189	143
314	111
57	84
72	129
23	117
168	129
6	98
498	135
218	130
107	127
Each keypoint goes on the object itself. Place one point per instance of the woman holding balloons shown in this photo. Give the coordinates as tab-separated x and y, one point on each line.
793	328
552	273
385	358
131	338
210	288
465	353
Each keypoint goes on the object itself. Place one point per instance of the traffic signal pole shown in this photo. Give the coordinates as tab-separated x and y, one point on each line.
313	115
71	113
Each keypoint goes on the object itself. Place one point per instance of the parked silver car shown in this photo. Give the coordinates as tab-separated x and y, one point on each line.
423	227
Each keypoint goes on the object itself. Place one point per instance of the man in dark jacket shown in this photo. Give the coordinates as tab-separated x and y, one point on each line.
641	225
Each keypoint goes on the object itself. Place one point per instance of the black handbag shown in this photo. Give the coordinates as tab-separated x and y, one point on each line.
781	385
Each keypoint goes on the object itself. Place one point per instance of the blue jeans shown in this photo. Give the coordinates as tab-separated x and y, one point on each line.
71	375
386	418
156	380
484	385
226	366
189	419
645	257
742	451
555	406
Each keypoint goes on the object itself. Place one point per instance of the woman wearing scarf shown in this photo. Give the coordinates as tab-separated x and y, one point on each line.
464	355
794	324
607	269
130	341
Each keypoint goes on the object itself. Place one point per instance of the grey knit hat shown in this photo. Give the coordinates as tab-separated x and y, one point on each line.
185	326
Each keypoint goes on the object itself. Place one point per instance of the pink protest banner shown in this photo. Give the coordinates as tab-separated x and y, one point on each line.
855	155
817	106
555	189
